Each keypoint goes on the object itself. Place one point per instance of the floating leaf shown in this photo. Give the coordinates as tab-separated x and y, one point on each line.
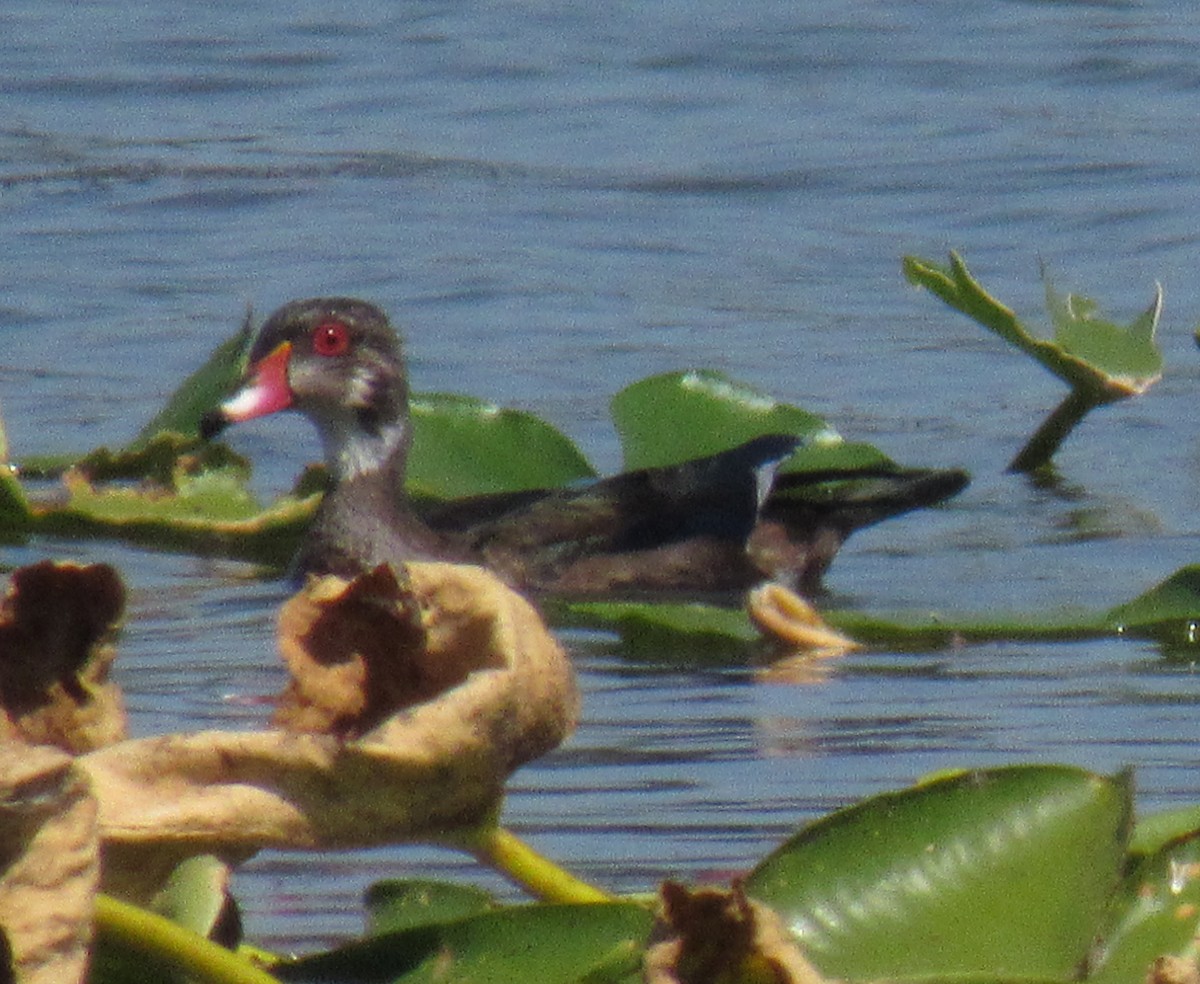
464	447
793	623
1153	832
1087	353
1002	871
431	771
201	391
393	906
1170	608
657	627
709	934
1169	611
203	519
549	944
162	460
1099	360
57	624
1127	358
666	419
1156	913
49	864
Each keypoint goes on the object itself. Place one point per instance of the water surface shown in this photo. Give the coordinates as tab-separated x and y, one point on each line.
556	200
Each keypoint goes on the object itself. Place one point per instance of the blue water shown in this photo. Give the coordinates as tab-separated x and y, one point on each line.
555	200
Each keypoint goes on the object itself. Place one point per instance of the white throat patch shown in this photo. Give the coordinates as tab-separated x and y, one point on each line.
351	452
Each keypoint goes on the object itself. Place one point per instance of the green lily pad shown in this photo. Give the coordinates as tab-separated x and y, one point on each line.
1171	608
1153	832
550	944
670	418
1127	358
194	894
1099	360
201	391
397	905
209	515
1169	611
1156	913
1087	353
463	447
1001	872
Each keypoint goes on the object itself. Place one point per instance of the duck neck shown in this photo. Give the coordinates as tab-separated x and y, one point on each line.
367	461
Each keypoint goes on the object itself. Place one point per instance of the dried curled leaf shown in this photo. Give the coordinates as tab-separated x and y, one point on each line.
786	618
358	651
49	864
57	623
1173	970
432	770
714	936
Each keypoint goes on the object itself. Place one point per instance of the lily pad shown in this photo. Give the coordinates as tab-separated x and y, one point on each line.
464	447
1156	913
550	944
1087	353
674	417
1127	358
1154	831
211	517
393	906
1002	871
1170	611
1170	608
201	391
1100	360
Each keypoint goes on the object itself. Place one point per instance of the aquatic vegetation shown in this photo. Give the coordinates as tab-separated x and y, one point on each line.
1100	361
413	696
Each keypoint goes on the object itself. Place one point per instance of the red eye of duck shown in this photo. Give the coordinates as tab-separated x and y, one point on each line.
330	338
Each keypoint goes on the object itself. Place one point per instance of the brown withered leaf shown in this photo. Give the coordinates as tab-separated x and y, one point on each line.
432	770
1173	970
57	624
355	652
789	620
719	936
49	863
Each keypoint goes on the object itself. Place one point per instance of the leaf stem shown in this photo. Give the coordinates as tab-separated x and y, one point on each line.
159	939
504	851
1040	448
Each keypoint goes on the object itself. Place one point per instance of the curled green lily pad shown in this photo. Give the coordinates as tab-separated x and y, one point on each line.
1100	360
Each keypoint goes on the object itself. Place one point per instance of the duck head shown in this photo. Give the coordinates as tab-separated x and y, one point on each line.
338	361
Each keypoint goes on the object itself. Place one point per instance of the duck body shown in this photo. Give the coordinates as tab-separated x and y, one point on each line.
710	525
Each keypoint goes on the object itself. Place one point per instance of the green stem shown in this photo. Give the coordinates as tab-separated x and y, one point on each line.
1041	447
167	942
512	857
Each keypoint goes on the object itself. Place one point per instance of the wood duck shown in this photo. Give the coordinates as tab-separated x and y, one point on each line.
702	527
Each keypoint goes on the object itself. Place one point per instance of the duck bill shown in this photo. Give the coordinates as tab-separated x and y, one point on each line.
265	391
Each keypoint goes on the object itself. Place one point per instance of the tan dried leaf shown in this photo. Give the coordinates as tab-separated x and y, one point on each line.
719	936
57	624
49	863
788	619
1173	970
433	770
357	652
